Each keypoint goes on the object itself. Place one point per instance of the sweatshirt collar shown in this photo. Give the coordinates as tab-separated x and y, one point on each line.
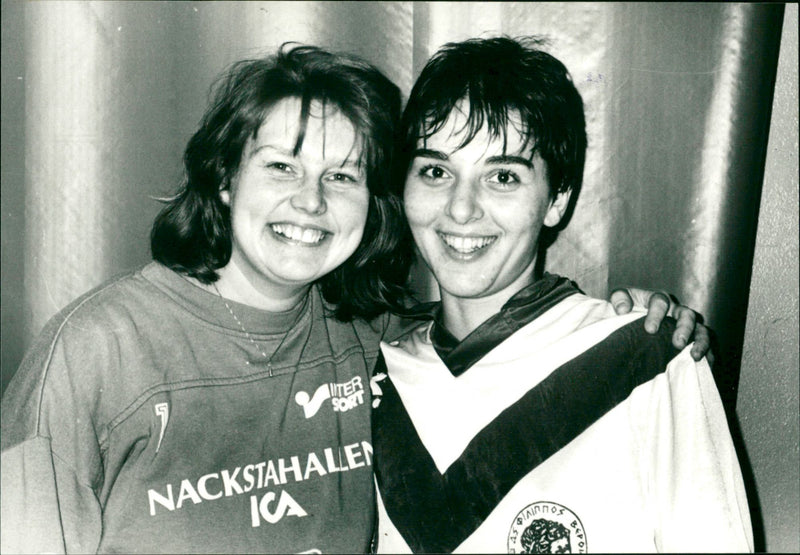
213	309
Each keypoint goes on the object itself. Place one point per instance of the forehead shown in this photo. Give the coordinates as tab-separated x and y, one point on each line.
457	134
326	131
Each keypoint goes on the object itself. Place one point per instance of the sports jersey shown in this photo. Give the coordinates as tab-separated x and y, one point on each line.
145	420
569	429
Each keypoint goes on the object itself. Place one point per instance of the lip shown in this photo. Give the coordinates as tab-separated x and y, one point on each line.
297	234
466	246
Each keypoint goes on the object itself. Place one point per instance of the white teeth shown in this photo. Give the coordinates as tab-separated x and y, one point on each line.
466	245
297	233
311	236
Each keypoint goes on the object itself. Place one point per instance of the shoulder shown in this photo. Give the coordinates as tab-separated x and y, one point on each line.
580	313
623	338
402	325
104	311
414	341
374	329
89	310
586	332
344	334
78	352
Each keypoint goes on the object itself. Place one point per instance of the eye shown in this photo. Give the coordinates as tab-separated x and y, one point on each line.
344	178
281	169
432	173
341	177
504	179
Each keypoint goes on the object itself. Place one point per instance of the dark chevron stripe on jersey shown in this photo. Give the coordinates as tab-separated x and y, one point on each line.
521	309
436	512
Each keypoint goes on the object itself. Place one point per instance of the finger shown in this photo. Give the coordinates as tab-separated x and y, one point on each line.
685	327
621	301
702	344
710	358
657	309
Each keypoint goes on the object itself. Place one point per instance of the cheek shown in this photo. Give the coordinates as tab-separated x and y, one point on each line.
420	205
525	229
352	223
354	213
249	201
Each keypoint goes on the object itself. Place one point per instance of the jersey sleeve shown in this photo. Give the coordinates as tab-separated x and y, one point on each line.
44	507
51	461
690	470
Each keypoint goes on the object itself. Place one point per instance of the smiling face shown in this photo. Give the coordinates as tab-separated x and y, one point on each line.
476	212
294	217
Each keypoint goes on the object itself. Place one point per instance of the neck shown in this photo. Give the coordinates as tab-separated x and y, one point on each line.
462	315
235	285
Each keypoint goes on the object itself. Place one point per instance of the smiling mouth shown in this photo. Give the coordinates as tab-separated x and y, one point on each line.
297	234
467	245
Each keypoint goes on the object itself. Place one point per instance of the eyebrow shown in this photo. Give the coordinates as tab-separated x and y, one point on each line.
507	159
277	149
500	159
428	153
348	163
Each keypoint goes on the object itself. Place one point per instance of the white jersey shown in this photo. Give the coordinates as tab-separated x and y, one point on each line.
577	433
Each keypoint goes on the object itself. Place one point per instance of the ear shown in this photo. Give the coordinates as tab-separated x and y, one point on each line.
225	196
557	208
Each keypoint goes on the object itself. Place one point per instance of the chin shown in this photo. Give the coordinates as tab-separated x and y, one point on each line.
303	276
464	288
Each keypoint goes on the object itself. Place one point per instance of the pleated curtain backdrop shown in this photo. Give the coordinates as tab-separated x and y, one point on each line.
98	109
677	97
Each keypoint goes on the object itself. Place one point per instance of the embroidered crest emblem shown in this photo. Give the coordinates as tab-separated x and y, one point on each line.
546	527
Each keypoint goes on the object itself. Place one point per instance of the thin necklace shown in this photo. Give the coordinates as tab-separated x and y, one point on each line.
250	337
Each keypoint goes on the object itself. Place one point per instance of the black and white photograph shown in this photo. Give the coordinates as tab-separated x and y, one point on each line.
395	277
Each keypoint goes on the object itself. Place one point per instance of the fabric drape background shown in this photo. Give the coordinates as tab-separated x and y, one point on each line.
99	99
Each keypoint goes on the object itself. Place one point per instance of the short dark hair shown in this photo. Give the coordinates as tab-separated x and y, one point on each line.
498	75
192	234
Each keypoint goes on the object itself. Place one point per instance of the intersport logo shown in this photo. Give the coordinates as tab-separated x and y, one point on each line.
344	396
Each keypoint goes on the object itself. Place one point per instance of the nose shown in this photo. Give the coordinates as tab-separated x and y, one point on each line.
310	197
463	206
